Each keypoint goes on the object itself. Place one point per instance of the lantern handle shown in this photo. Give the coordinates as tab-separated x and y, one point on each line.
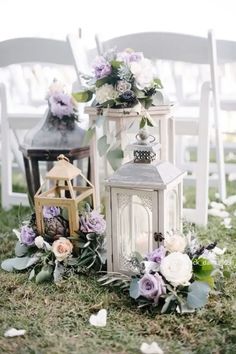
142	137
62	157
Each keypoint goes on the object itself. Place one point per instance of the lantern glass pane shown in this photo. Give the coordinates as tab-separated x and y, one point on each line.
135	225
173	210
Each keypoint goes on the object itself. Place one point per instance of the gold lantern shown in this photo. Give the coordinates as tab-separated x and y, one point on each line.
58	190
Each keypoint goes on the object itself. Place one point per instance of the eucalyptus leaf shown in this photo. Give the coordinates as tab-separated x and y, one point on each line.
20	249
115	158
7	264
198	294
168	300
22	263
134	288
142	123
45	274
102	145
202	267
88	135
32	274
58	272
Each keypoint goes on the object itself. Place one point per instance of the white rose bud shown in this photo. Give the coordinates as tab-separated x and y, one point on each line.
175	243
39	241
177	268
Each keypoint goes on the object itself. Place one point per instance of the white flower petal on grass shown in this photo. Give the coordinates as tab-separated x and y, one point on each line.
219	213
100	319
219	251
227	223
13	332
152	348
230	200
218	206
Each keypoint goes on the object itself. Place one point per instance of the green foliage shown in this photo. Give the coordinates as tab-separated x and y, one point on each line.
198	294
45	274
83	96
115	157
19	263
20	249
102	145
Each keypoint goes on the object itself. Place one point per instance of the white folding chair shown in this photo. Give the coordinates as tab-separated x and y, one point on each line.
192	50
25	51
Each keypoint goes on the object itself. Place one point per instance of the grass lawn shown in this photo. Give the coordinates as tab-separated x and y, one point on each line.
56	316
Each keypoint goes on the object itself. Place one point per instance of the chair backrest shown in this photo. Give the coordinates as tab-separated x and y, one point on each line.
31	50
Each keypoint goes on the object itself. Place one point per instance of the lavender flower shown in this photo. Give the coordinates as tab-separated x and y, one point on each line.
93	222
101	68
152	286
157	255
50	211
61	104
27	235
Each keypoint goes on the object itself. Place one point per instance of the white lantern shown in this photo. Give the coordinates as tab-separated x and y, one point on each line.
144	201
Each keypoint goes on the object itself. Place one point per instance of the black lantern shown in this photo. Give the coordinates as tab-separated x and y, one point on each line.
48	139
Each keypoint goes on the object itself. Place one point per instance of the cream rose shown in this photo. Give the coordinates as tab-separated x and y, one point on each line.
62	248
177	268
143	73
175	243
106	93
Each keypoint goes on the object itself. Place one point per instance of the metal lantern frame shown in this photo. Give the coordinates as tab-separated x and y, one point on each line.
150	184
62	193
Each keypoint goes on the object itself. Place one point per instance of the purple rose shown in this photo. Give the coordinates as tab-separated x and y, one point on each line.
93	222
152	286
61	104
50	211
27	235
101	68
157	255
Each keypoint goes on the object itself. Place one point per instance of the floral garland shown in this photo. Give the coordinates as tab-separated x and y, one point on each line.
177	276
56	255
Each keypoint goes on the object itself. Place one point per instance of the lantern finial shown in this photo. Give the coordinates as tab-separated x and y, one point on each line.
62	157
145	148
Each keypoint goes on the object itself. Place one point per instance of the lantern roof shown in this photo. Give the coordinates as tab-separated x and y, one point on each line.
63	169
156	175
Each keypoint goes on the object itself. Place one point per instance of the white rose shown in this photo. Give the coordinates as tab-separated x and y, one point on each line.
143	73
177	268
175	243
39	241
106	93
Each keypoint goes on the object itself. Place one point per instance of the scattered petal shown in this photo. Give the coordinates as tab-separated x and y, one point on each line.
227	223
13	332
100	319
218	206
232	177
219	251
219	213
230	200
152	348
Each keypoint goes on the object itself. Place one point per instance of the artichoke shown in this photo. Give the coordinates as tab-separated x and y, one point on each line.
55	227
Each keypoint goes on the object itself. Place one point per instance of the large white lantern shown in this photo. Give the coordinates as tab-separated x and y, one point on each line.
144	201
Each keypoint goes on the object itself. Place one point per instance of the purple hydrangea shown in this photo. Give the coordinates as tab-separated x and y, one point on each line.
152	286
128	57
93	222
101	68
157	255
61	104
50	211
27	235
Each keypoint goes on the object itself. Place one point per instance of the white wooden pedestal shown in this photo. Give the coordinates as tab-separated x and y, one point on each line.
122	123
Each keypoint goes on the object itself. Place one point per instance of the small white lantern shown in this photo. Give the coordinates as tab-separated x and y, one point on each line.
144	201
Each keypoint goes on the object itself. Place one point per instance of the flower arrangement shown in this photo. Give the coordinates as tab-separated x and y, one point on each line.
55	255
122	80
62	106
177	276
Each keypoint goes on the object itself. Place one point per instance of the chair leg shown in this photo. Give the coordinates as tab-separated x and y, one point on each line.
202	173
6	169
